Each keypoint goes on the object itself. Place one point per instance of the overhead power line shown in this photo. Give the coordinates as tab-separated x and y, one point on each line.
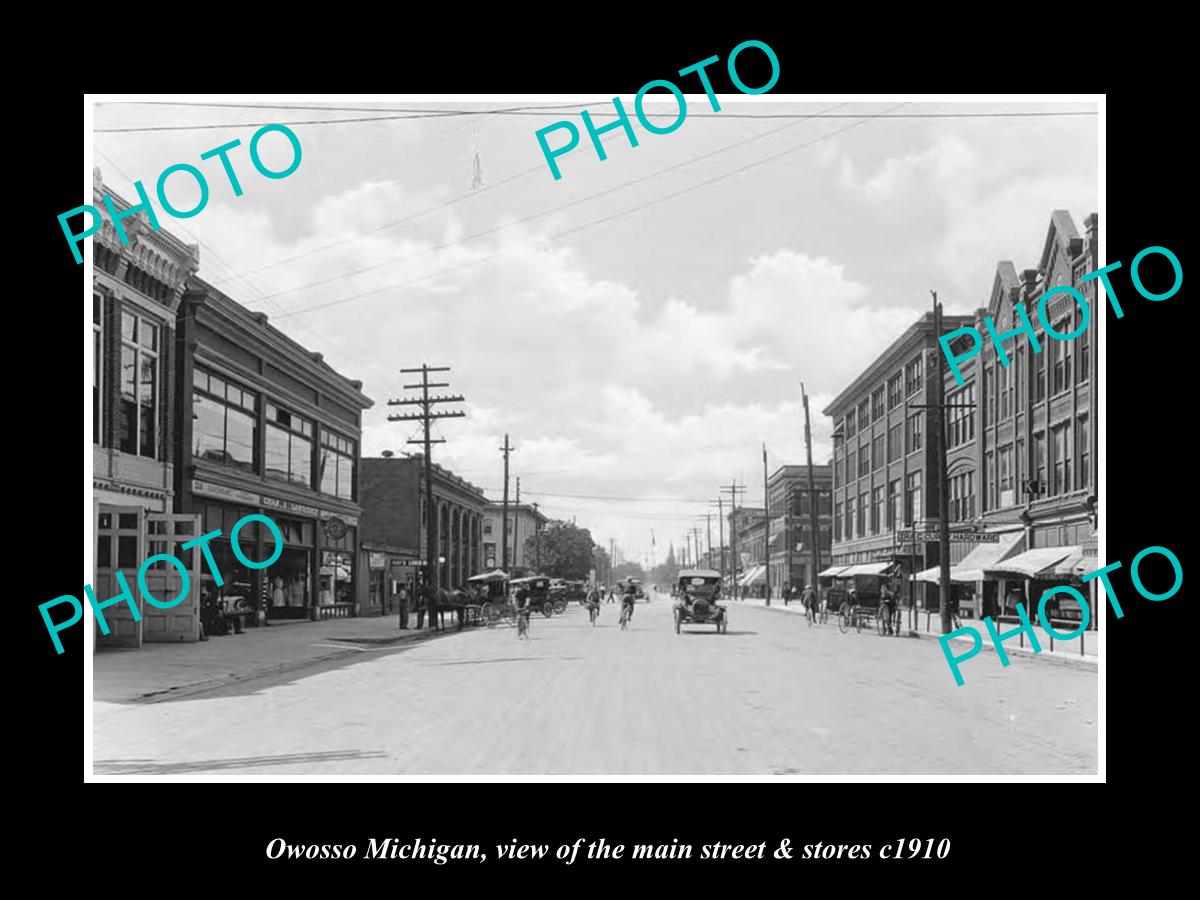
593	223
450	113
547	212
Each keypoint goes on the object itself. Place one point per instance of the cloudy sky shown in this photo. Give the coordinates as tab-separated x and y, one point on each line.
640	327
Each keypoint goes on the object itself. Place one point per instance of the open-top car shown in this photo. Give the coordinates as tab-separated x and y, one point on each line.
698	593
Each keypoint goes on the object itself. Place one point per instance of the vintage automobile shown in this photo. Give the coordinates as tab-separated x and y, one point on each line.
698	592
540	599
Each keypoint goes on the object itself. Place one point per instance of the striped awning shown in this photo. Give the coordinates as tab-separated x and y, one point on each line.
875	568
957	575
757	575
1077	564
832	572
1032	563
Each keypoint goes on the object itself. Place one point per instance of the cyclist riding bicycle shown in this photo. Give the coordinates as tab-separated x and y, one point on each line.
627	601
593	602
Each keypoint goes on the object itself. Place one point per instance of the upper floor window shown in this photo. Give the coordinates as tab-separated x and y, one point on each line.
1085	455
912	376
864	415
1060	352
97	366
224	421
916	430
1061	447
894	391
851	430
289	446
140	338
878	410
339	457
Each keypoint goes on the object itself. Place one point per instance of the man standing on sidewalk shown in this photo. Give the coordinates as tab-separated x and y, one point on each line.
403	599
431	606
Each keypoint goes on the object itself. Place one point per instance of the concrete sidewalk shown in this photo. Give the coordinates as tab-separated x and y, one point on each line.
163	671
1082	651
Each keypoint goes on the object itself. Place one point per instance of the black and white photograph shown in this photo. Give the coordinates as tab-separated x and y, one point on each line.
684	435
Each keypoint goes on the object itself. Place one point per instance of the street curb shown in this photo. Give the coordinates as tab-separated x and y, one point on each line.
195	687
1061	659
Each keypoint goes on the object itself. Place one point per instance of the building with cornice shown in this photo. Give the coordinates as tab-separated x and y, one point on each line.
137	289
268	427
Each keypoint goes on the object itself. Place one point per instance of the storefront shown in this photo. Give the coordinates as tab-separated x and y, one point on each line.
315	576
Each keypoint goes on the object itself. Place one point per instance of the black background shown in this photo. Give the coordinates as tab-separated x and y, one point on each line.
1020	834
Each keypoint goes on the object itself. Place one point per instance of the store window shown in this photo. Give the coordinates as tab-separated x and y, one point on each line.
224	421
140	338
98	305
289	446
338	455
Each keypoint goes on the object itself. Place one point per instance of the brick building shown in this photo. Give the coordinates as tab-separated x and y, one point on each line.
1030	473
268	427
882	458
791	541
394	520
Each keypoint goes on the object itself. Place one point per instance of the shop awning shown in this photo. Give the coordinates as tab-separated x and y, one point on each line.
957	575
757	575
1032	563
1077	564
875	568
832	572
986	556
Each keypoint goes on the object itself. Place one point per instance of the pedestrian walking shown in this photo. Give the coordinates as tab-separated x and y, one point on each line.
887	607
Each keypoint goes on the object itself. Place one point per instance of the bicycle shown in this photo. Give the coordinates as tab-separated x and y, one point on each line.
593	613
626	615
522	623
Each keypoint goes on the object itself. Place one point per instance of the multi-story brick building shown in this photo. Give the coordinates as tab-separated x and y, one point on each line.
748	547
1037	433
136	290
394	519
791	541
268	427
1021	462
882	457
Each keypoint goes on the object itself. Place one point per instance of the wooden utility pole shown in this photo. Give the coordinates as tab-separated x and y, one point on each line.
721	533
426	417
708	529
733	490
506	450
813	498
537	539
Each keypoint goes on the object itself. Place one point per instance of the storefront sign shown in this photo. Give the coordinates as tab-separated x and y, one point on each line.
208	489
377	560
408	563
956	537
291	507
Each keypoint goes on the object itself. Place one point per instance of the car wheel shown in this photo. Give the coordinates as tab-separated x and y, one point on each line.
560	606
547	609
